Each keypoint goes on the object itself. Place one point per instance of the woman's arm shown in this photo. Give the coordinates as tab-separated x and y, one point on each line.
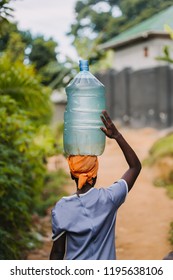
58	248
134	164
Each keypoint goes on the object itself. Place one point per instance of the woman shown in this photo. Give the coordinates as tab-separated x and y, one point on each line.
84	224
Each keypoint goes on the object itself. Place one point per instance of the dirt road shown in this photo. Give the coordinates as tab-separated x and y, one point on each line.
143	220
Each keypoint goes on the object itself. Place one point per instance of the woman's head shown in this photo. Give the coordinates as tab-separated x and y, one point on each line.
83	169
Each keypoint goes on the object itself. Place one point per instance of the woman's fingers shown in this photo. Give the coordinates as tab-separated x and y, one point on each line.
104	130
103	120
106	116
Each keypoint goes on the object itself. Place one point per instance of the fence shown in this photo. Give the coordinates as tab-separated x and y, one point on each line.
140	98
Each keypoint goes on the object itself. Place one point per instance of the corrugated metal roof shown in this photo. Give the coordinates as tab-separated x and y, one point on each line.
155	24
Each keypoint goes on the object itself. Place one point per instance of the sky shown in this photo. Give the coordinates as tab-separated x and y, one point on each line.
51	18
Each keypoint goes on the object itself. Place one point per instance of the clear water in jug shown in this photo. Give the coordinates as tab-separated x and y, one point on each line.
85	102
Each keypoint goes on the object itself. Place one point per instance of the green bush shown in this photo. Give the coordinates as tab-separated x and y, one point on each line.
53	190
161	148
21	178
25	143
49	140
20	83
171	233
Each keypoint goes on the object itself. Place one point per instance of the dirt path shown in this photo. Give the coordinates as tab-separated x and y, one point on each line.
143	220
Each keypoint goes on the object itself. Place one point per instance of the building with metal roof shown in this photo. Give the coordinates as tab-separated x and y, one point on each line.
138	46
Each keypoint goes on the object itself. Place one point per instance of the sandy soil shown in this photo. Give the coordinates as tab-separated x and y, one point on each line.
143	221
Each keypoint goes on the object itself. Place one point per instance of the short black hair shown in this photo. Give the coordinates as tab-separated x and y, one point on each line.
76	180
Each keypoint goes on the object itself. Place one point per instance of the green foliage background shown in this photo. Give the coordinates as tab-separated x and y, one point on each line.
26	135
21	178
162	148
25	143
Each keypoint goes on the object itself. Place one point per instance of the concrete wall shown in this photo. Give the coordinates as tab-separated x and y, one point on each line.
134	56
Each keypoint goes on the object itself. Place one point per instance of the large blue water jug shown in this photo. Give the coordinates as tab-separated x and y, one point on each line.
85	102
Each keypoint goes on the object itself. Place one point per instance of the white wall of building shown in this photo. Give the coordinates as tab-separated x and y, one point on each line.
134	56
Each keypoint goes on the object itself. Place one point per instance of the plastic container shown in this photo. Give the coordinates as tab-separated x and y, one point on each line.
85	102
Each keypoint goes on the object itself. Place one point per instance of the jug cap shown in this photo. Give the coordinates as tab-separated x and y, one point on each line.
83	65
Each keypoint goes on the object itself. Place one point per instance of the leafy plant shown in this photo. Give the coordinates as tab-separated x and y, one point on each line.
25	142
25	185
49	140
6	12
20	83
53	190
161	148
166	56
171	233
21	178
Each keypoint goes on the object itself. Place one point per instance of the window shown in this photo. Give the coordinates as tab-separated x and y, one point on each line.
146	53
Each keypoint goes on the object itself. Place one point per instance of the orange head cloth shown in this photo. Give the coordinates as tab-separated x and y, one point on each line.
84	168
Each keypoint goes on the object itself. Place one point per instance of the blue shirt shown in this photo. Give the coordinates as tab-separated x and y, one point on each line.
89	222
